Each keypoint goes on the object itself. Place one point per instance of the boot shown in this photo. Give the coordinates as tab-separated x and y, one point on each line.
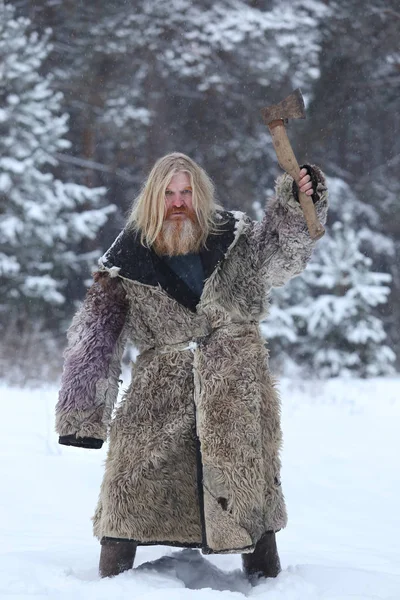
264	561
116	556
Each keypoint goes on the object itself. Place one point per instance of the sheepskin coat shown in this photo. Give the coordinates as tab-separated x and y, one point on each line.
193	455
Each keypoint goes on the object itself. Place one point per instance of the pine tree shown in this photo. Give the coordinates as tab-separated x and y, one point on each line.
280	329
344	335
325	320
43	219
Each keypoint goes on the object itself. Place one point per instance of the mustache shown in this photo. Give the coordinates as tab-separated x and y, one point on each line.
190	214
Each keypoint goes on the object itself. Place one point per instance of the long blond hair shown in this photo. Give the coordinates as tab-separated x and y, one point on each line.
147	212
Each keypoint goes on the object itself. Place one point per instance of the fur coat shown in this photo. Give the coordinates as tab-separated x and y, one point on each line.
193	455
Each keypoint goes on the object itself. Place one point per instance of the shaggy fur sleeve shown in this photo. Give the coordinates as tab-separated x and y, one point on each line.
92	361
282	242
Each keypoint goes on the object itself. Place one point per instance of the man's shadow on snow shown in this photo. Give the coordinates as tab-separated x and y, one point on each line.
196	573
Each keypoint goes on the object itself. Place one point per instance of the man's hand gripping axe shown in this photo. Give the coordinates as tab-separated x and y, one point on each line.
275	117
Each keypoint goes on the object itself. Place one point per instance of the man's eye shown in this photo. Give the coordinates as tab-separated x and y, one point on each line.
168	193
187	191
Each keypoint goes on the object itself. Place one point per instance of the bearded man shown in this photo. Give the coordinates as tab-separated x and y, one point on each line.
193	456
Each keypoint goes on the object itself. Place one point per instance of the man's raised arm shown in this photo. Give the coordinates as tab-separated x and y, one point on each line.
283	243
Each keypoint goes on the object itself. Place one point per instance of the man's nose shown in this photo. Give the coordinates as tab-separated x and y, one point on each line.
178	201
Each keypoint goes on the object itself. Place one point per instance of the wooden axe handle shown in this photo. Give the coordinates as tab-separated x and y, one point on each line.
288	162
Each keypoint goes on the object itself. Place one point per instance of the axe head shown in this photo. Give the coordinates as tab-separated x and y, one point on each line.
291	107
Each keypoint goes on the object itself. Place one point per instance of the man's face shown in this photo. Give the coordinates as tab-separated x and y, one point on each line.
178	198
180	233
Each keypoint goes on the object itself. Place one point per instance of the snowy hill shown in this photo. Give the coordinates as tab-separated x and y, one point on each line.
341	479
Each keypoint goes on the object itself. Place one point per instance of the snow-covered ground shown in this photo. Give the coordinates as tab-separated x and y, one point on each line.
341	480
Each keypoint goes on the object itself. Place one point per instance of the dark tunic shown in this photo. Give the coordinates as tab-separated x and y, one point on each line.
189	268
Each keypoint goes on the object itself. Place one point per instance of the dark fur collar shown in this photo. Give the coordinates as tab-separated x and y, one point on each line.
128	258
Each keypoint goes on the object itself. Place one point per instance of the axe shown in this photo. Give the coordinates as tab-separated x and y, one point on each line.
275	117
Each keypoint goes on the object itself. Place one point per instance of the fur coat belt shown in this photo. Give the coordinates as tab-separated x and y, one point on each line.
192	343
194	443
